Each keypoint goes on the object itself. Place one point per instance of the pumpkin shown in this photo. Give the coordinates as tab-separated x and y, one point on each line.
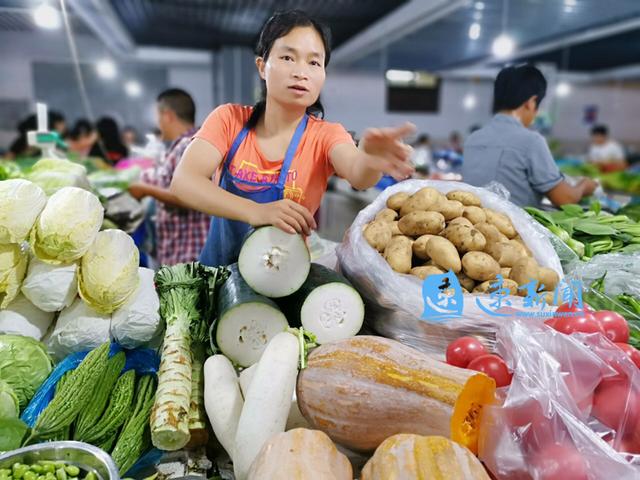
300	454
364	389
414	456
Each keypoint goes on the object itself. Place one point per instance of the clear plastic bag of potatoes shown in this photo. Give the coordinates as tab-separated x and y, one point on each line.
396	302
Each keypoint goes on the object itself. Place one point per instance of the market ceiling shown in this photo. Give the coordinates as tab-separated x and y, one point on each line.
212	24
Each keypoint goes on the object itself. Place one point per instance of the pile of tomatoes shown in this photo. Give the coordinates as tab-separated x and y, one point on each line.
615	403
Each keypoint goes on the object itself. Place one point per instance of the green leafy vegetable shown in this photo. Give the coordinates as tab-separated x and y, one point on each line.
24	365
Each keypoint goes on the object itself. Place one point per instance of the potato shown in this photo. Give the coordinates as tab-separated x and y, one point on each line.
522	250
398	254
525	270
517	239
466	282
466	239
378	235
548	297
491	233
395	201
444	254
480	266
490	286
548	278
424	272
505	272
466	198
462	221
420	223
474	214
386	215
420	246
394	229
423	200
506	254
450	209
501	221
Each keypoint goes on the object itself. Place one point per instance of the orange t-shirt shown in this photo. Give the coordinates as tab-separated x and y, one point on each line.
309	171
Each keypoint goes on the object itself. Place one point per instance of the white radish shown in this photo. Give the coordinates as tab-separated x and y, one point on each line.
267	402
222	399
246	377
295	418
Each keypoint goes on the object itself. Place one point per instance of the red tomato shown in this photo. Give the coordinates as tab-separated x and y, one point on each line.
616	404
559	462
464	349
551	322
584	323
631	352
528	421
493	366
573	307
615	326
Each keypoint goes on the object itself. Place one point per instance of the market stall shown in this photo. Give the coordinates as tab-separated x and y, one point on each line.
474	359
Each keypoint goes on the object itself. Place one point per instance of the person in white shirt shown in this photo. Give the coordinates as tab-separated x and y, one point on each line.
422	157
605	152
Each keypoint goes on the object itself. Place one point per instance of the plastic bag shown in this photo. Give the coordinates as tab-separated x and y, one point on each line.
50	287
547	425
622	269
22	317
394	302
143	361
137	322
79	328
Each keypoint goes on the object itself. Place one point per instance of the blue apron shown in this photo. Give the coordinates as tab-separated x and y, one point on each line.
225	236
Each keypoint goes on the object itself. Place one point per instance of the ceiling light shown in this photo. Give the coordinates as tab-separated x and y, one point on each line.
106	69
133	88
570	3
568	9
474	31
503	46
563	89
45	16
479	6
469	101
400	76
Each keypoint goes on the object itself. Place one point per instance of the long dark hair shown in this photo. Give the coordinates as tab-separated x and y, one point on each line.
279	25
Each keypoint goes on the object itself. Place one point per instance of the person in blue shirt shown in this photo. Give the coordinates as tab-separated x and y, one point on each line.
508	152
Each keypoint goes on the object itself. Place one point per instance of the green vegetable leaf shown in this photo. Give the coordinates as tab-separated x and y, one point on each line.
594	228
596	207
573	210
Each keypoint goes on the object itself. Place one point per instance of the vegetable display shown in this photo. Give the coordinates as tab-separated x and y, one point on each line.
24	365
47	469
181	288
20	204
67	226
591	232
300	454
13	266
364	389
436	233
274	263
414	456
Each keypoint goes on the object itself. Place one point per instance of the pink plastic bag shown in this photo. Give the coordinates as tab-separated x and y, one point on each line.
573	405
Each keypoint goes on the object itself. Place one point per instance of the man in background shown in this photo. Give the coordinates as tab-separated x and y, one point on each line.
181	232
507	151
605	152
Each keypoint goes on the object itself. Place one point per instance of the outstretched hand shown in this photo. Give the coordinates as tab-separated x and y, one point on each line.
388	154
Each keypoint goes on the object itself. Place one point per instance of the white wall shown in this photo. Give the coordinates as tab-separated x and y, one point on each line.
618	107
198	82
357	100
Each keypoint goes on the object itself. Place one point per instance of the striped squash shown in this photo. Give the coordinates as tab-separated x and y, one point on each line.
364	389
413	456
